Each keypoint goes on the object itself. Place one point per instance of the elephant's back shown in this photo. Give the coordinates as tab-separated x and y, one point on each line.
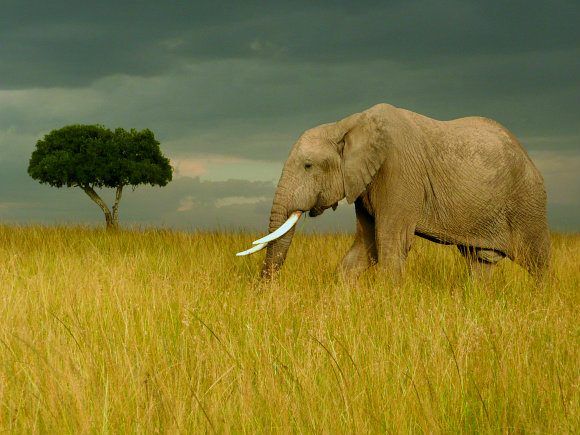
486	144
476	149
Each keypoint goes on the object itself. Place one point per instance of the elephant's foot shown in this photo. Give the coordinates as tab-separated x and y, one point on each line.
354	263
480	261
393	269
481	271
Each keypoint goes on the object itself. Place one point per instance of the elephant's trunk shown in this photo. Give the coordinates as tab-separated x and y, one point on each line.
277	249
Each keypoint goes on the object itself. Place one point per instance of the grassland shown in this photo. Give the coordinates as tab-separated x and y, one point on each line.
169	332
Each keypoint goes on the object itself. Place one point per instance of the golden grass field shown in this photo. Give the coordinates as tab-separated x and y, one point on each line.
160	331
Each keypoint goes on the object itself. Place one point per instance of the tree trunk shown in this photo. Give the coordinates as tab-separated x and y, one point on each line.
118	194
97	199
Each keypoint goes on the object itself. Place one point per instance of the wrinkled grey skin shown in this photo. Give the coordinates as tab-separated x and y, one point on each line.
466	182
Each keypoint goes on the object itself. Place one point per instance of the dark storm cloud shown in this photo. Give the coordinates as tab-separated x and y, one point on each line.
235	66
65	43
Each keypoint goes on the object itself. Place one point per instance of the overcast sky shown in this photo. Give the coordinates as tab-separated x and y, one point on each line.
228	86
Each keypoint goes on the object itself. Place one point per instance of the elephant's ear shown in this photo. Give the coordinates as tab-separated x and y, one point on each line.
363	153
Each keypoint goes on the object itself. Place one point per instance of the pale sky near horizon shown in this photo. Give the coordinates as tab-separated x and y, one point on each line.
228	86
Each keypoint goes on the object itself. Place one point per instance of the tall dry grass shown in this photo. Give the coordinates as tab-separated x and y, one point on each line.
169	332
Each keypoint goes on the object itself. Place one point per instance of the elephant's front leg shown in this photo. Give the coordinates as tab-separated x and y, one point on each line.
394	237
363	252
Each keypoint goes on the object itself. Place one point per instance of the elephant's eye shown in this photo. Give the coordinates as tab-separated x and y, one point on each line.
307	165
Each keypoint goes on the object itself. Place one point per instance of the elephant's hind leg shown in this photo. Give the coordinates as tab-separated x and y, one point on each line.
363	252
533	253
480	261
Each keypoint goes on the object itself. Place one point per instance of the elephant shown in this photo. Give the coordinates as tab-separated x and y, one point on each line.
466	182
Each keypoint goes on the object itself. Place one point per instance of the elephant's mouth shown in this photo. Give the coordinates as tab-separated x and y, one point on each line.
317	210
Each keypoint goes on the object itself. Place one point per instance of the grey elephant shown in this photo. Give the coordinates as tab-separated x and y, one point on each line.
466	182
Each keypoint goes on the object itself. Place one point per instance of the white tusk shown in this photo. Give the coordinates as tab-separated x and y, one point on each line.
252	250
284	228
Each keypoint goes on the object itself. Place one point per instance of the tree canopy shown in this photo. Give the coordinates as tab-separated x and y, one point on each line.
90	156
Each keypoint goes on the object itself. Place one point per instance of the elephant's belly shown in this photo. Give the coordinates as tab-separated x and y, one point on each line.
495	239
434	238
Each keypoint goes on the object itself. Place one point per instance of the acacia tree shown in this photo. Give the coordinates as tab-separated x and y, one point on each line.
92	156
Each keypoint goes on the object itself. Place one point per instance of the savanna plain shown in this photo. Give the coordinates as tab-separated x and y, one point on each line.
162	331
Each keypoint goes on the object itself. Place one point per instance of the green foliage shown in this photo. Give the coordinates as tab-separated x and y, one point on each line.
92	155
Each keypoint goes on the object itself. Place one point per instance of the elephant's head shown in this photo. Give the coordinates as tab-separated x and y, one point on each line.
326	164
